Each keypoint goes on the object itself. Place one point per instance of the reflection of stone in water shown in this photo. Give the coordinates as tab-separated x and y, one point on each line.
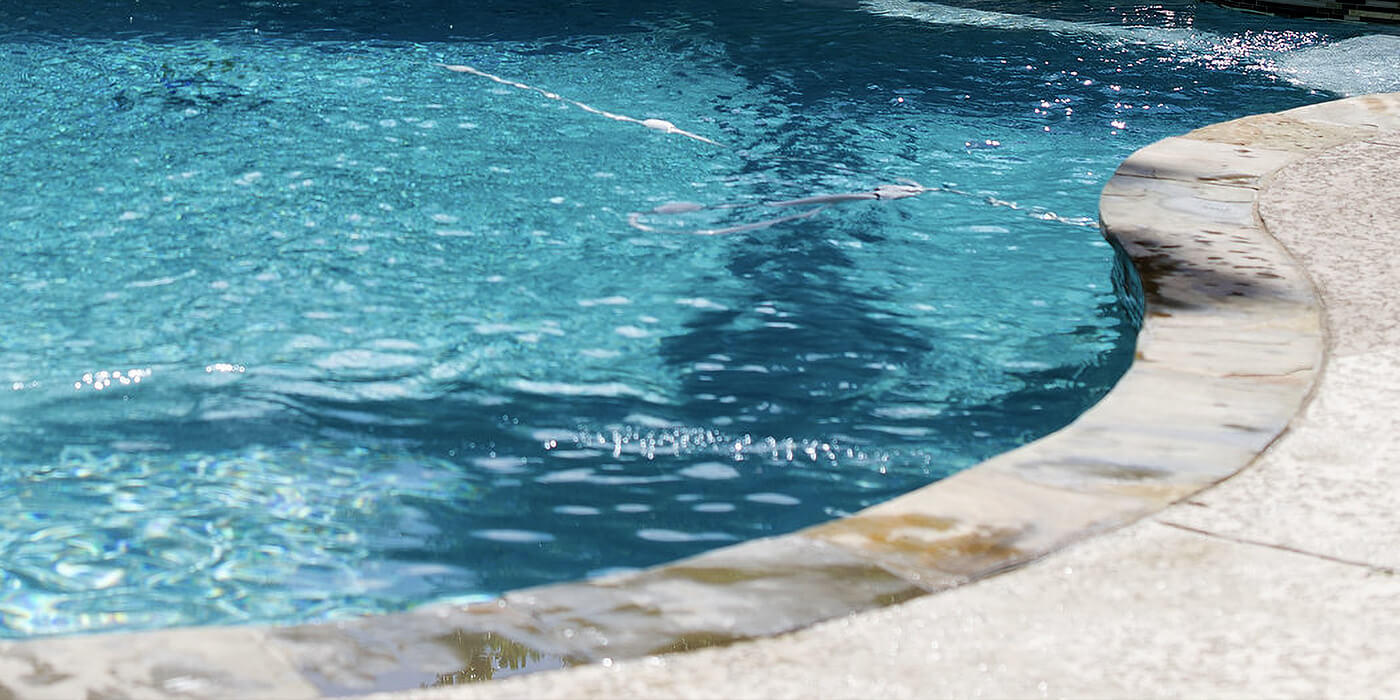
489	655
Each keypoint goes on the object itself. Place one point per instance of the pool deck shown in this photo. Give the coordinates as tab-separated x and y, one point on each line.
1088	563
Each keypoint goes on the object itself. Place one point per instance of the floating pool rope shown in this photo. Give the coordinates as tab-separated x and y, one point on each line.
906	188
901	190
635	219
661	125
896	191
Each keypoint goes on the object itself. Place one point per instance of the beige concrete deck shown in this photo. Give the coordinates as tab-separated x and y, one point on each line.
1280	582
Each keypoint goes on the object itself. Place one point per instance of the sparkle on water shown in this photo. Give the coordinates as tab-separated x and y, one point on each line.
324	308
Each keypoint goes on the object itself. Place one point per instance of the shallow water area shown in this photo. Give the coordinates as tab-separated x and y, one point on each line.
308	321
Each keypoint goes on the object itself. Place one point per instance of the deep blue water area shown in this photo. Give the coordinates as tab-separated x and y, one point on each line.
325	308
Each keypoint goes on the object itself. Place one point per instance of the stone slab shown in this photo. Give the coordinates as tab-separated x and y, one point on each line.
758	588
1111	618
214	662
1329	487
434	645
1367	111
1206	162
1281	133
1199	250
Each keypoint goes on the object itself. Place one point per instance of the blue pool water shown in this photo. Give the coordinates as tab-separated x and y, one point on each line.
324	308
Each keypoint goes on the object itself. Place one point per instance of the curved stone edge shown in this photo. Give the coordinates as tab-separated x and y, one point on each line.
1231	346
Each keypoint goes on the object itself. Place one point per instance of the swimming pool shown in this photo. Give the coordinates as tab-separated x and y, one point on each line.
329	310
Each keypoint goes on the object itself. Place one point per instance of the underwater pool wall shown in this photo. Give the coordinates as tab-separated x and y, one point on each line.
1232	346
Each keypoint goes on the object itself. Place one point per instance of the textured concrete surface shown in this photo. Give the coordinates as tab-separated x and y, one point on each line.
183	662
1280	582
1339	213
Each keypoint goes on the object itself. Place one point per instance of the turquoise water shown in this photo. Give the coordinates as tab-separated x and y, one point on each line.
318	309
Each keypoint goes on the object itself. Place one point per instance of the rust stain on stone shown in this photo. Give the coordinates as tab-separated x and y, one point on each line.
690	641
768	571
488	655
44	673
877	526
927	541
721	575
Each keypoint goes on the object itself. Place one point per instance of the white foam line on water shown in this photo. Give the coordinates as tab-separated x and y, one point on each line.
906	188
661	125
1354	66
934	13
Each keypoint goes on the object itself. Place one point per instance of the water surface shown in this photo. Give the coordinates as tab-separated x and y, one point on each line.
303	323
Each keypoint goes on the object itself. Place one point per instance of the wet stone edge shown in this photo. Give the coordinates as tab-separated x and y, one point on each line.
1231	345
